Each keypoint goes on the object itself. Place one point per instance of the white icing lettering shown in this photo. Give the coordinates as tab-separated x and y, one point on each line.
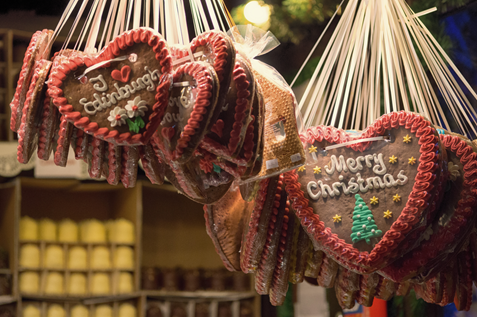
100	78
402	178
380	168
312	185
107	100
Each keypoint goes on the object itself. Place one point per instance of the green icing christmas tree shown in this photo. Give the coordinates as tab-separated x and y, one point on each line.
364	227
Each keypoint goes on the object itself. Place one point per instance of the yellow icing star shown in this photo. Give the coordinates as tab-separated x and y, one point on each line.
374	200
412	160
301	168
407	139
392	159
317	170
388	214
337	218
312	149
396	198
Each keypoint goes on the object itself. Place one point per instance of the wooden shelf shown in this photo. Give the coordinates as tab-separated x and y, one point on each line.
212	295
7	299
74	298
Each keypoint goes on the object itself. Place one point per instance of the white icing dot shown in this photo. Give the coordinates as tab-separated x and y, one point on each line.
358	234
369	218
358	216
360	205
373	231
364	226
340	177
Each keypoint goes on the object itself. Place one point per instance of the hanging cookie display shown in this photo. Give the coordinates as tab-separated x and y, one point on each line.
356	194
120	95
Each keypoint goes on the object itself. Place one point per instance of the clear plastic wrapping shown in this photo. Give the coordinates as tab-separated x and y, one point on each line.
225	221
283	150
255	232
303	249
367	289
347	287
129	165
314	262
152	164
328	272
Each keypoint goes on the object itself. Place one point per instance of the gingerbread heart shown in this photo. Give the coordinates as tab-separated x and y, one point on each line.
120	95
227	135
359	196
192	102
224	222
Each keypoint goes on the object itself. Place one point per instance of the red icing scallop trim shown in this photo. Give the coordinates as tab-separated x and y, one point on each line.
253	226
242	103
261	283
463	211
95	166
280	272
345	253
24	140
205	86
23	80
46	131
129	164
113	50
114	167
218	44
63	142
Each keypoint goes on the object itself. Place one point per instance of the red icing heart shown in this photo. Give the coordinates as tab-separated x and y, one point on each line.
122	75
102	105
168	133
328	198
218	127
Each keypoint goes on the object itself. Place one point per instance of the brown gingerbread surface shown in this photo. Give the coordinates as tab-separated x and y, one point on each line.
343	204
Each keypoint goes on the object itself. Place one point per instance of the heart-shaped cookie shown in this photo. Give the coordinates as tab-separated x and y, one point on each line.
358	196
224	223
192	102
120	95
227	135
39	48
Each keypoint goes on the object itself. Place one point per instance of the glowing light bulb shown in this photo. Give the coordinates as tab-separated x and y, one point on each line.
256	13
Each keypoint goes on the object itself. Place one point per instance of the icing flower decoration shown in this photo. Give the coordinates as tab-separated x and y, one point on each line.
407	139
374	200
312	149
453	171
392	159
337	218
412	160
301	169
388	214
396	198
117	117
317	170
136	107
